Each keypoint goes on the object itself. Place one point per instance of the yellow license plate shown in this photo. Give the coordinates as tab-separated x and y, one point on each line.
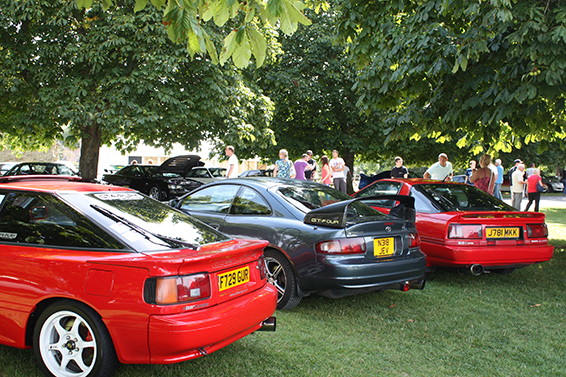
383	246
502	233
233	278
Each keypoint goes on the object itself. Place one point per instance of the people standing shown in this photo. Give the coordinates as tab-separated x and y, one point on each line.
441	170
483	178
399	171
511	171
499	180
300	166
470	171
326	171
533	182
338	167
517	188
232	162
283	166
310	175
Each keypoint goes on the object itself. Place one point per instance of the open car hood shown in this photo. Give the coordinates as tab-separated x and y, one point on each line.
334	215
179	165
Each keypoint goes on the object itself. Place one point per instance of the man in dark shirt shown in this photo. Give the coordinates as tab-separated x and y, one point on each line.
399	171
310	174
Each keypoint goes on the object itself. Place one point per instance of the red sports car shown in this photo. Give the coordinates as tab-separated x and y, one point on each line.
462	226
92	274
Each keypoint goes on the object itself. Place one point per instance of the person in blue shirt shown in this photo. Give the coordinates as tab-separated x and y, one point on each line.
499	180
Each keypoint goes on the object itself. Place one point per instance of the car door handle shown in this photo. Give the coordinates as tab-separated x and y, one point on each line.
215	226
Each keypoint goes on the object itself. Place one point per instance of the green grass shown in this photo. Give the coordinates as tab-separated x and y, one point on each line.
492	325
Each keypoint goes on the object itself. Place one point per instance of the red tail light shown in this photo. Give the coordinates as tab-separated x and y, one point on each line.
537	231
414	240
262	268
465	231
178	289
342	246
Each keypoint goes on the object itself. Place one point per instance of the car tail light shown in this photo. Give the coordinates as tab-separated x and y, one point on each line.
342	246
537	231
465	231
177	289
414	240
262	268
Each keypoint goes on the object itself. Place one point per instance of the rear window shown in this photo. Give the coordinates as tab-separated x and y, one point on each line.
308	198
145	223
459	197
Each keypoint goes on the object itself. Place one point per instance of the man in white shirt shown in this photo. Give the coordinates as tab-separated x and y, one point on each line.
517	188
232	163
441	170
338	167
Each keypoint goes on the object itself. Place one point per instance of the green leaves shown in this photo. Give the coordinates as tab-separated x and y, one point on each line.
185	20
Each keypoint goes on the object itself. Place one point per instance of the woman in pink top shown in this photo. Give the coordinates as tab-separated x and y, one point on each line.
483	178
532	182
326	171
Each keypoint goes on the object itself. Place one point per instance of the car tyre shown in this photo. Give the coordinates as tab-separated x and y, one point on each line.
70	340
281	275
155	192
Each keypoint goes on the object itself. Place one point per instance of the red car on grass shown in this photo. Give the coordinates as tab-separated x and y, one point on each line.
91	275
464	227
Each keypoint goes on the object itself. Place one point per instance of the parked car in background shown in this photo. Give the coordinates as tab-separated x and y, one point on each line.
5	166
552	183
461	226
41	168
256	173
159	182
91	275
320	240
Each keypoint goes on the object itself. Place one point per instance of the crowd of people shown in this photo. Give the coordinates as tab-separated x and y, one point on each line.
487	177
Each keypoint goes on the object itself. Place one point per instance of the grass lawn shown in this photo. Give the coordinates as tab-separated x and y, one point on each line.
492	325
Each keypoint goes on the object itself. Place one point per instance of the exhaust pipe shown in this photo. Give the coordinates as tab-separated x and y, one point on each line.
268	325
417	284
476	269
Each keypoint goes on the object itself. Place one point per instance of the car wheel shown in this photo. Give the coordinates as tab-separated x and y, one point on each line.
70	340
281	275
155	192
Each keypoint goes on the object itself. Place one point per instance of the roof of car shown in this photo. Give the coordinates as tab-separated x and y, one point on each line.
53	183
417	181
271	182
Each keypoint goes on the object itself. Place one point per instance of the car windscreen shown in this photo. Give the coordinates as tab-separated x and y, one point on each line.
145	223
312	197
460	197
218	172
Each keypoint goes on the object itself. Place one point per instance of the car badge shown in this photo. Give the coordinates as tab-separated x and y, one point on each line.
388	229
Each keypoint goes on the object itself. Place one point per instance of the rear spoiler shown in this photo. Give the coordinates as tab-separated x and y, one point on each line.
334	215
38	177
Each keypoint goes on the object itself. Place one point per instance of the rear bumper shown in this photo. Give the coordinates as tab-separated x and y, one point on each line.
495	256
185	336
348	275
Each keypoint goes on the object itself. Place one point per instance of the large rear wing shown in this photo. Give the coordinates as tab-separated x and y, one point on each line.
335	215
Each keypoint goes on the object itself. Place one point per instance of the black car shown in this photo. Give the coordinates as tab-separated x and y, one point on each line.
320	240
159	182
41	168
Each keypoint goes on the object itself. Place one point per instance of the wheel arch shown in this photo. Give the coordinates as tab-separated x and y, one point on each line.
40	308
301	291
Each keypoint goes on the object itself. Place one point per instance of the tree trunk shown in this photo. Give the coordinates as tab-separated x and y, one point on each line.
90	149
348	157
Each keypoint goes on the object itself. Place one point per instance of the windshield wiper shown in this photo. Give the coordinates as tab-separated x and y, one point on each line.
147	235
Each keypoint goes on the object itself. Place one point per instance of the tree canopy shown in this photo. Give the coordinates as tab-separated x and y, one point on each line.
189	21
112	75
491	71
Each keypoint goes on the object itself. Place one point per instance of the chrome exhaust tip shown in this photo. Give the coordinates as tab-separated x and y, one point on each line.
269	324
476	269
